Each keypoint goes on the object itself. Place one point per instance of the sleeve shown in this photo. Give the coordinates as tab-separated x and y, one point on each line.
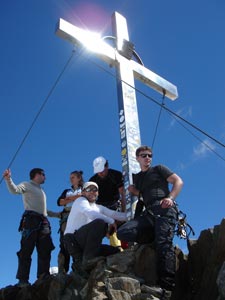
134	177
120	179
137	180
96	212
16	189
92	214
93	178
116	177
115	215
164	171
62	196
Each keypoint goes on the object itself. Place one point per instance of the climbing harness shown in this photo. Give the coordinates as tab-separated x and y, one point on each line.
26	227
183	230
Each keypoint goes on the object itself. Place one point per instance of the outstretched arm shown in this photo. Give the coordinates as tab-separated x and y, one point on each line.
7	174
12	187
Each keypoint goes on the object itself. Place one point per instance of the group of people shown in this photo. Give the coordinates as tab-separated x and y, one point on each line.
93	210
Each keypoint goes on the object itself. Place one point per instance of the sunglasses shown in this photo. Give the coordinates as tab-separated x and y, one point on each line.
145	155
91	190
43	174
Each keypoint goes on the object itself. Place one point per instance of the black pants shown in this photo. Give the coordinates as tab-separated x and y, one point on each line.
63	251
35	233
146	229
86	242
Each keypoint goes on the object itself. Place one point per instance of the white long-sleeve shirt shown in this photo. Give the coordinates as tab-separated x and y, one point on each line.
84	212
34	197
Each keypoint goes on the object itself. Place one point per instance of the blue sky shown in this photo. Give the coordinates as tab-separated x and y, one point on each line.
183	42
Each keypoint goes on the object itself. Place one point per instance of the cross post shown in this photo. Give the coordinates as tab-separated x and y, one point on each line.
126	69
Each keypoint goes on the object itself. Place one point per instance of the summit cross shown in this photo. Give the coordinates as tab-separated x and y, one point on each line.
120	56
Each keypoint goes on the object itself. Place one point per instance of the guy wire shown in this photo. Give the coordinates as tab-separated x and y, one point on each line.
157	124
40	110
162	105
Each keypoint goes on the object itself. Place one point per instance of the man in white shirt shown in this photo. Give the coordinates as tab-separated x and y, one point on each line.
87	224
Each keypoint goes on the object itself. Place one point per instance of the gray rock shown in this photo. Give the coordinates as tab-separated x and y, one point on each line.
129	285
221	281
200	275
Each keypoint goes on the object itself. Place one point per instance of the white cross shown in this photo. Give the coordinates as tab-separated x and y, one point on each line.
126	68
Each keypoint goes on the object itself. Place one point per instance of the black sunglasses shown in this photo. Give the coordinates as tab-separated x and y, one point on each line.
145	155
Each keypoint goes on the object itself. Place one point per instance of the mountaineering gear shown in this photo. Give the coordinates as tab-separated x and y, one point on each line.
148	228
152	222
36	231
183	229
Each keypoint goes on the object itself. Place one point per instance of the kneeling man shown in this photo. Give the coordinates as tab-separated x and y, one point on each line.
88	223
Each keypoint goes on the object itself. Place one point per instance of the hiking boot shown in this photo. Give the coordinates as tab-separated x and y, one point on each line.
61	263
23	283
89	264
166	295
158	292
77	267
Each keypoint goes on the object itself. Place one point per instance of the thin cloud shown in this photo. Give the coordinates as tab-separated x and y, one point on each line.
223	132
183	112
202	150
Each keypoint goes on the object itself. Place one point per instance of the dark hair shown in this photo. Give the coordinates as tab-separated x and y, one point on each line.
106	164
35	171
79	175
143	148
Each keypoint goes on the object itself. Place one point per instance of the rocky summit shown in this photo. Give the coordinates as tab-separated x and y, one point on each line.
129	275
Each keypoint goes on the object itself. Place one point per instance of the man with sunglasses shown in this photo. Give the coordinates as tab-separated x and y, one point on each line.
155	216
87	224
34	225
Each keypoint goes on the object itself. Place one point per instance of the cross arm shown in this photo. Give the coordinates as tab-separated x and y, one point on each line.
87	39
110	55
155	81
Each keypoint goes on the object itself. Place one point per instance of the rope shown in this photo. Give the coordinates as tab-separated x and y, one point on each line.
157	124
39	111
163	106
195	136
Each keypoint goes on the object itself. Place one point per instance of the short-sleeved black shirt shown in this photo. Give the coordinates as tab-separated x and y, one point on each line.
154	186
108	187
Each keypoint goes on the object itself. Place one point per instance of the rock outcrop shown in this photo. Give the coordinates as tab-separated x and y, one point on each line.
129	274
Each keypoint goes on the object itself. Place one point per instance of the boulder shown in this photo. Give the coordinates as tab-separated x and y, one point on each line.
200	275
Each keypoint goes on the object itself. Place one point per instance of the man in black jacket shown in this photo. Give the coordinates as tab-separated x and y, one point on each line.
111	189
157	222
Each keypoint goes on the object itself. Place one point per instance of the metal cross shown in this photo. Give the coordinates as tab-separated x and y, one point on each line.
127	69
